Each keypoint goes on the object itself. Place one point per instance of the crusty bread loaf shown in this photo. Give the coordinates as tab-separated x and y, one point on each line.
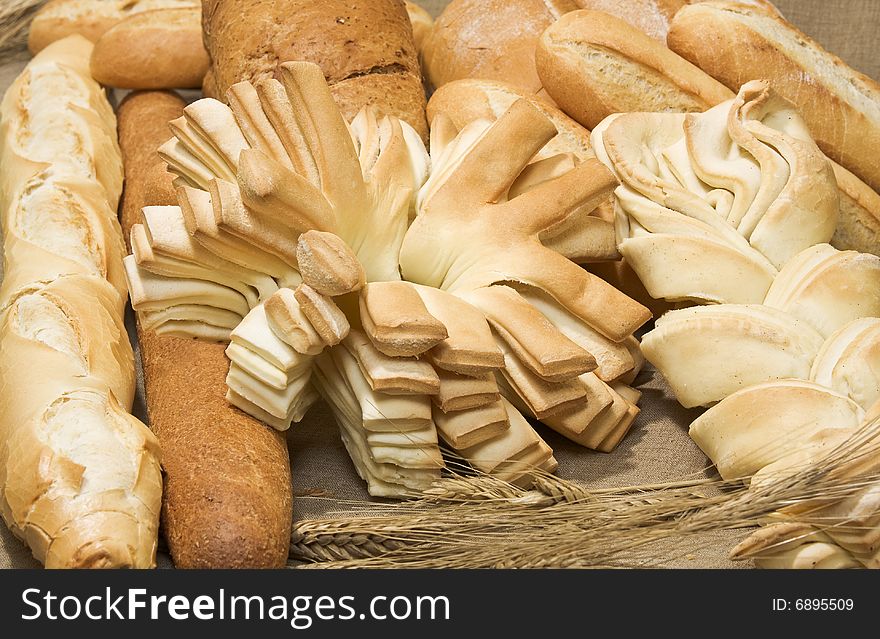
735	43
651	17
593	64
80	477
490	40
158	49
227	494
88	18
364	47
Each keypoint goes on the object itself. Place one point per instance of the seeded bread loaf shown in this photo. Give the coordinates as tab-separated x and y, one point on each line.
364	47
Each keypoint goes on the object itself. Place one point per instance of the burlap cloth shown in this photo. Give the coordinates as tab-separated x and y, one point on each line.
657	449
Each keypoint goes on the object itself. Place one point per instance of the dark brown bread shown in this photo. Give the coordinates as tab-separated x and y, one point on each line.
228	498
364	47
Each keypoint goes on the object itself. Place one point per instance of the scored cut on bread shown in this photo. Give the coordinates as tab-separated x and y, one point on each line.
80	478
593	64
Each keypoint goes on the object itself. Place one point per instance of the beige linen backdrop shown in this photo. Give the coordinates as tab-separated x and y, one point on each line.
657	449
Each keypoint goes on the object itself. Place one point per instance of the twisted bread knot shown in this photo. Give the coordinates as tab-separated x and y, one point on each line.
734	207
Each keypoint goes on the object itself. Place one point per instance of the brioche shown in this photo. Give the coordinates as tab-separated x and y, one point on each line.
379	67
80	479
152	50
736	43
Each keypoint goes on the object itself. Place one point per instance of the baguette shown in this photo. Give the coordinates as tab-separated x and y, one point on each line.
168	52
88	18
593	65
735	43
490	40
364	47
228	499
80	477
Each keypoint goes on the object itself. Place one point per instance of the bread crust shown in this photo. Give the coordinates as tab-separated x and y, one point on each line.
228	498
365	49
489	40
168	54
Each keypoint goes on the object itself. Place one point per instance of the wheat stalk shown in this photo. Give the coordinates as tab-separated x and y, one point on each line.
479	522
15	18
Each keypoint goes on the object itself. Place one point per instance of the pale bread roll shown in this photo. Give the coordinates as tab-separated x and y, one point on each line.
490	40
88	18
710	352
159	49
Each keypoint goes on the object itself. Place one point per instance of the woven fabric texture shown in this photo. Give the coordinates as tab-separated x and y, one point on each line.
657	449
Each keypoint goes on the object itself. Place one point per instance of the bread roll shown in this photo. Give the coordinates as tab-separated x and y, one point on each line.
490	40
88	18
735	43
80	477
152	50
593	64
422	23
364	47
651	17
228	499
